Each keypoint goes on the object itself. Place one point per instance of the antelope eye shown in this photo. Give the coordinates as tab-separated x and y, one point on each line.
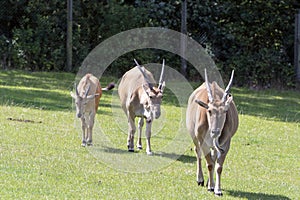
209	112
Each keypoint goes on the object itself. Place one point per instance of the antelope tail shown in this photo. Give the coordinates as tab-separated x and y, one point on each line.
109	86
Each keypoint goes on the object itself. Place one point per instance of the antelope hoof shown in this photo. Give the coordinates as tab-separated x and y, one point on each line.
139	147
130	149
149	153
218	194
200	183
89	142
210	189
83	144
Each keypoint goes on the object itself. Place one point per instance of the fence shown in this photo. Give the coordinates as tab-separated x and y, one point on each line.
297	46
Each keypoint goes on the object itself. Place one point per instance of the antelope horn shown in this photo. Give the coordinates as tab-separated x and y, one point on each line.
162	74
226	92
87	91
210	97
136	62
144	74
76	90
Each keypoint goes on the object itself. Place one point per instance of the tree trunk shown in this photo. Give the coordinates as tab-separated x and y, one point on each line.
183	39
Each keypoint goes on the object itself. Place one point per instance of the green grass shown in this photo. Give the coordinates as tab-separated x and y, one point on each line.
42	158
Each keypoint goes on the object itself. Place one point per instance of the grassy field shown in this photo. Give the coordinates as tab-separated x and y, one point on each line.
41	156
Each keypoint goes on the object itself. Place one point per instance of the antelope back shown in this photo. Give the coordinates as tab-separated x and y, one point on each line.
131	81
90	85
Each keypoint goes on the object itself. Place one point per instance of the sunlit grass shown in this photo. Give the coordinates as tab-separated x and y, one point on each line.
43	159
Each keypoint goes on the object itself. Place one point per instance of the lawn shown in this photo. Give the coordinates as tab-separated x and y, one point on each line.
41	156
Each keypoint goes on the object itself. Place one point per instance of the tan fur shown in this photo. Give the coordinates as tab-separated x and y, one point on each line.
135	93
198	127
87	105
95	88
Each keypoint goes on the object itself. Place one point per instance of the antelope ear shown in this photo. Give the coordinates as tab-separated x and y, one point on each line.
228	101
201	103
97	94
146	89
92	96
73	95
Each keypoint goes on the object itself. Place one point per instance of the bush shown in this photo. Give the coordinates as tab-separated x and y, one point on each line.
254	38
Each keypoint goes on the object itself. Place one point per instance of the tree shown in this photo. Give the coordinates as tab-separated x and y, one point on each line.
10	17
253	37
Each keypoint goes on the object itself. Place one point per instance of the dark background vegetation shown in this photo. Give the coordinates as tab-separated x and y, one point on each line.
256	38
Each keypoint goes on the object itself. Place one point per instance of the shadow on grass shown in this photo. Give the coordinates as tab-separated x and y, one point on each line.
173	156
39	99
41	80
254	196
45	90
187	159
269	104
112	150
39	90
42	99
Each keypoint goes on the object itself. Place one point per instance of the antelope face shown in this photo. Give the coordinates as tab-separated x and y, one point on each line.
153	102
80	106
154	94
216	110
216	116
81	102
155	98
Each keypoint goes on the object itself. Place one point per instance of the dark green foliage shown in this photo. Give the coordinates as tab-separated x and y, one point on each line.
36	35
253	37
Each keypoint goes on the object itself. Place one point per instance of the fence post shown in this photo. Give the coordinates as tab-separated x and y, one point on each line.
69	35
297	47
183	39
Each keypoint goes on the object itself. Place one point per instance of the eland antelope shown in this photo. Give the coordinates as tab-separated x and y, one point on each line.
87	96
140	98
211	119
